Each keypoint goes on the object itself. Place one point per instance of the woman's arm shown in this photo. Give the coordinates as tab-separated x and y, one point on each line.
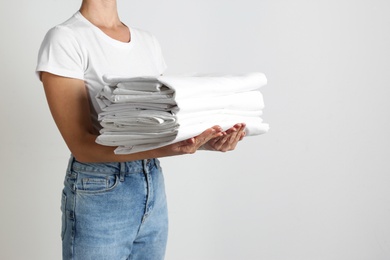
69	105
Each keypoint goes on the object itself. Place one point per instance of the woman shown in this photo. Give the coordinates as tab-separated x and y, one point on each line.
113	206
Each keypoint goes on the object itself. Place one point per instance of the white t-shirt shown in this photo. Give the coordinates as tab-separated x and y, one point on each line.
78	49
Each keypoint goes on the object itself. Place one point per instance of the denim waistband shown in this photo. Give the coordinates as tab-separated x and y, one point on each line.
129	167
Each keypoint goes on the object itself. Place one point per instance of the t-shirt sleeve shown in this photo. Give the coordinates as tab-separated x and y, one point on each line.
60	54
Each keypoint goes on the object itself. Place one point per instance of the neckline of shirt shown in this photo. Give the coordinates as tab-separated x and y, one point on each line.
112	41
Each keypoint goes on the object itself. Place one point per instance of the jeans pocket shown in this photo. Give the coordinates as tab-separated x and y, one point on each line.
63	219
92	183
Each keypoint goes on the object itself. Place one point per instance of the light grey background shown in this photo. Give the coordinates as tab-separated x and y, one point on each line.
317	186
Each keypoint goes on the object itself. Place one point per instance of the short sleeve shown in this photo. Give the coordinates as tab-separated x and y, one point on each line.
60	54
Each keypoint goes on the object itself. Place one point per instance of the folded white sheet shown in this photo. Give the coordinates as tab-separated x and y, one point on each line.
194	86
127	96
254	126
130	139
139	121
210	85
245	101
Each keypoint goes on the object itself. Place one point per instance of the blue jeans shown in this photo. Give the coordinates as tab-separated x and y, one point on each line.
114	211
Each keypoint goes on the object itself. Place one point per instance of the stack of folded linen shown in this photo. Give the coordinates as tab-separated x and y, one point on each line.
144	113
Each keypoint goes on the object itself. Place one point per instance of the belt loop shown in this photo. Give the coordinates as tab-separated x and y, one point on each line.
70	164
122	171
145	165
156	163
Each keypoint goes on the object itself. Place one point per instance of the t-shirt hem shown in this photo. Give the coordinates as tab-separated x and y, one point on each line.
59	72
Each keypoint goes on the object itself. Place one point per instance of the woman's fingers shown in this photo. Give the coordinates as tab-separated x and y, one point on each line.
229	140
214	139
192	145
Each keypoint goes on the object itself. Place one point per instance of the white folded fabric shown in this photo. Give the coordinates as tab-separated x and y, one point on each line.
130	139
128	96
145	113
245	101
136	83
254	126
209	85
194	86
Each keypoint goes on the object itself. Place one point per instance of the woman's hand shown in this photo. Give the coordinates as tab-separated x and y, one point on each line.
191	145
228	141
